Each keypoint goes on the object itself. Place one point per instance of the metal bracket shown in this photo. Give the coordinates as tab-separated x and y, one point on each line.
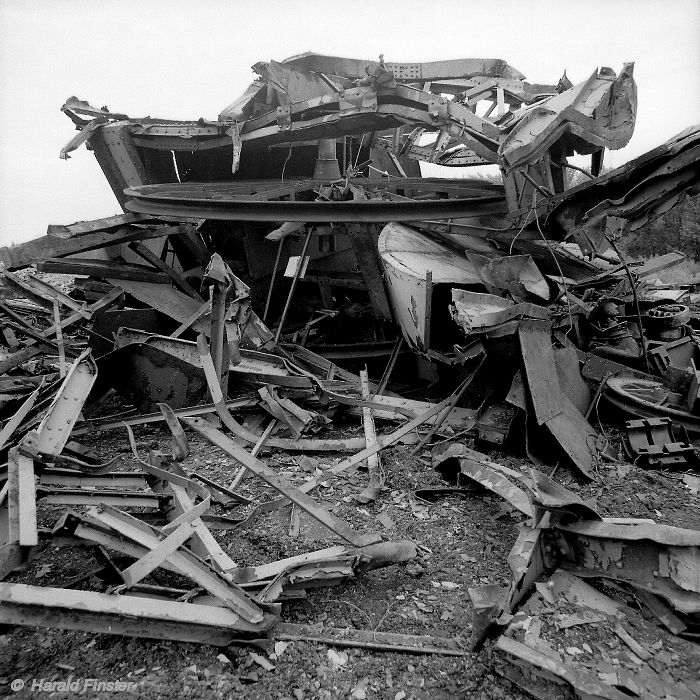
651	443
284	118
360	98
438	110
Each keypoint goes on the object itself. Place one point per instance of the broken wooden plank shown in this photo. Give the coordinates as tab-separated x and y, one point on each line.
357	458
96	497
51	476
454	400
28	534
657	264
382	442
112	424
189	516
102	269
386	375
297	419
217	332
301	444
232	495
11	557
298	273
180	449
233	338
20	324
167	300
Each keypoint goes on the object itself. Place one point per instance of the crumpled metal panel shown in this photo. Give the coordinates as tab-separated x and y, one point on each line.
638	191
600	112
431	70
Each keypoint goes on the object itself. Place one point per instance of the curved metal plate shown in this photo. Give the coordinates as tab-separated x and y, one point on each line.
410	199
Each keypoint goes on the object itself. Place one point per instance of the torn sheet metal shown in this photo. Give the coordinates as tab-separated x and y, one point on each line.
598	112
486	113
347	89
483	474
147	376
572	640
475	312
323	568
358	69
552	408
414	265
516	274
545	677
298	419
636	192
547	495
148	369
661	559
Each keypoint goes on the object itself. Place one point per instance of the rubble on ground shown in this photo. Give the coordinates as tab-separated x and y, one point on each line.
283	313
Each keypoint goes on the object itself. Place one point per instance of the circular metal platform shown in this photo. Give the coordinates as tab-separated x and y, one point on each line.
398	199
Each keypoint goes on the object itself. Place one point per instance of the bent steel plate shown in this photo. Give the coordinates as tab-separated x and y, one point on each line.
407	199
146	376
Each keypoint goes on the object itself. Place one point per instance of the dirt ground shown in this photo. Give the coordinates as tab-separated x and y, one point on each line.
463	542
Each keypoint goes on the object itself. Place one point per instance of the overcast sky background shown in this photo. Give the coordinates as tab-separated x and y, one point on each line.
185	60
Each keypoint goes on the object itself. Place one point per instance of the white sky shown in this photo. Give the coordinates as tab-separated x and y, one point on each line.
188	59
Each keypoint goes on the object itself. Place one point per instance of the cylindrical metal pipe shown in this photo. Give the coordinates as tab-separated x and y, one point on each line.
327	167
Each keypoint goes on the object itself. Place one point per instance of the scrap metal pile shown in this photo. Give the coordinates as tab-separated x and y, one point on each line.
513	293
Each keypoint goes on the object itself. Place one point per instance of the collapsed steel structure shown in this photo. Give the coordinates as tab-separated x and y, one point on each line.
334	145
515	288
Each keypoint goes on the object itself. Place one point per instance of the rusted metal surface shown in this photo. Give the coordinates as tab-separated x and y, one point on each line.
222	202
513	295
